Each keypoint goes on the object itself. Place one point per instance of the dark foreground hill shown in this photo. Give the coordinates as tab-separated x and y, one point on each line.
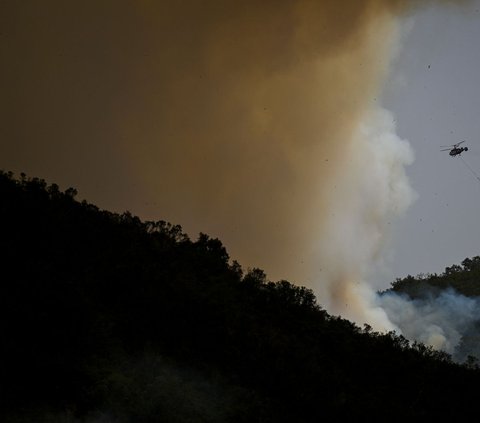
105	318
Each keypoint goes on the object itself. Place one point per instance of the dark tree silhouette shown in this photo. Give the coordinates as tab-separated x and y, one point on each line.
104	313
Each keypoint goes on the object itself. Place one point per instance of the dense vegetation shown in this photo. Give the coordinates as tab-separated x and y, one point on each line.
104	317
464	278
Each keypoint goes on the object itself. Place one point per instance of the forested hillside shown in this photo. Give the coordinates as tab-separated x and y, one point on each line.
107	318
464	278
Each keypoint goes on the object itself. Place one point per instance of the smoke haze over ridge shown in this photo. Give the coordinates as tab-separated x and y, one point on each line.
261	123
257	122
231	118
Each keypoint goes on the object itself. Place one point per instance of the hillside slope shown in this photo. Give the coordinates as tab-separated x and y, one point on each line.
107	318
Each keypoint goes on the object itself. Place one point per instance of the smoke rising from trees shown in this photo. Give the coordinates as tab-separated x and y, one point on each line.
257	122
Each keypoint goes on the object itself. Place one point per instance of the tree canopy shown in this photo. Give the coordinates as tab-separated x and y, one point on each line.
464	278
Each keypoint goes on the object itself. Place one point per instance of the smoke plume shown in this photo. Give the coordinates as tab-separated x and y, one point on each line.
371	191
271	135
257	119
447	321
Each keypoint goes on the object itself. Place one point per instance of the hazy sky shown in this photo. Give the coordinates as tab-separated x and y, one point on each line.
434	92
231	120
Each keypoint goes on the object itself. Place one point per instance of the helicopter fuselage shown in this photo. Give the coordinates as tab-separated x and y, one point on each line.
457	151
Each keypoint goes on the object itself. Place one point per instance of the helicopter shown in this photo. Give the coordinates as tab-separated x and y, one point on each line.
455	150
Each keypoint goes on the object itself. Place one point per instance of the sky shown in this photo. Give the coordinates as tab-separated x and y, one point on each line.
434	93
247	122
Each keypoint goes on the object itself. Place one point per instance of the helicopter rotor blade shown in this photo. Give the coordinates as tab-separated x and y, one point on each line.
453	145
446	149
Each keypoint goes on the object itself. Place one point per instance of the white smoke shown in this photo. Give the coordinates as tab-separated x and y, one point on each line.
369	191
441	321
372	189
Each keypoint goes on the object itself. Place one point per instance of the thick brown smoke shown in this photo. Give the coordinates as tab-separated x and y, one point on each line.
250	109
247	120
